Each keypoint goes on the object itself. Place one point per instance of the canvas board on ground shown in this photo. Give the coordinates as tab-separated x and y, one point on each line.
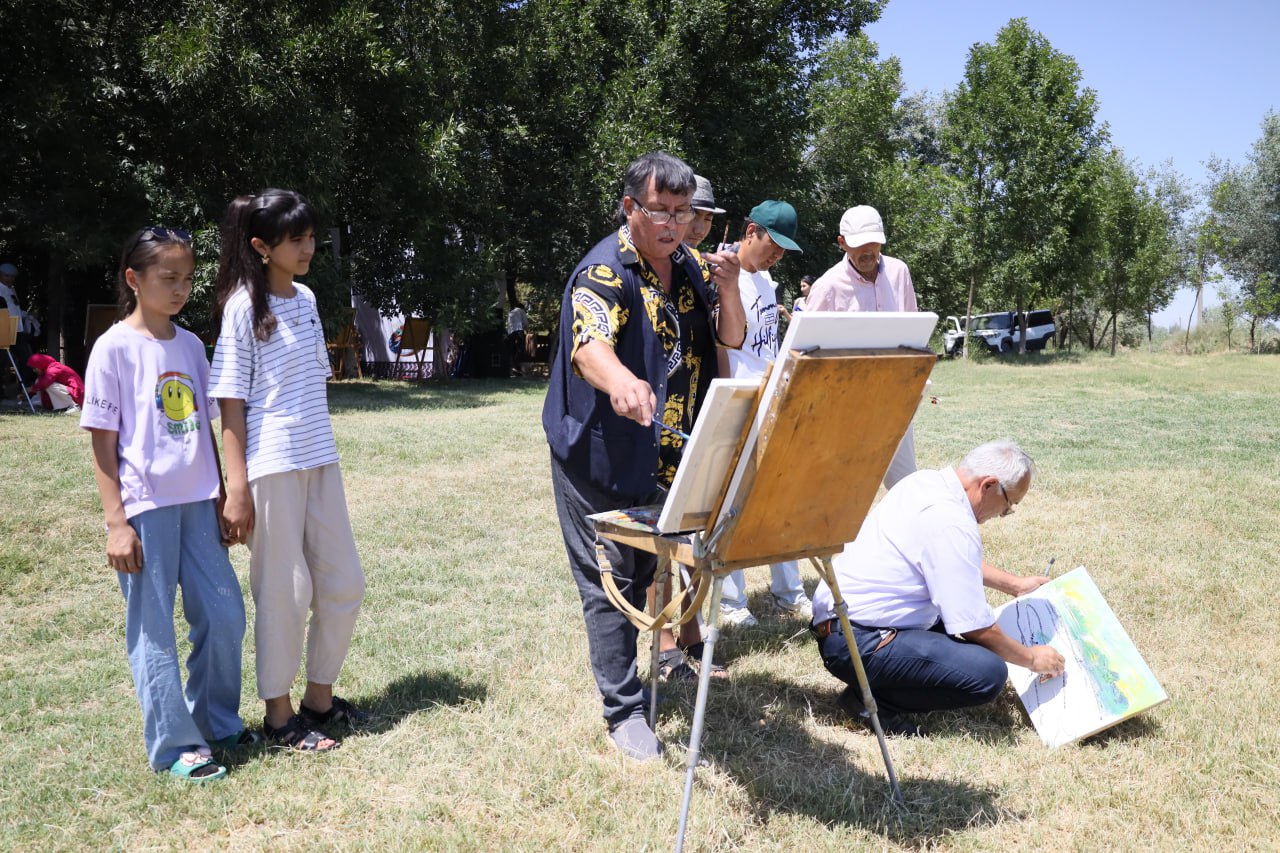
1106	680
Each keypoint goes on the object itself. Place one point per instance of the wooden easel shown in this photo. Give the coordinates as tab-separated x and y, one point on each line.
820	451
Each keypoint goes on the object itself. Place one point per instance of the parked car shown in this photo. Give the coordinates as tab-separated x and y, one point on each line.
1002	331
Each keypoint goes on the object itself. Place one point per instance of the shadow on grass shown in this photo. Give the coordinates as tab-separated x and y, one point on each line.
401	698
755	730
384	395
1136	728
416	692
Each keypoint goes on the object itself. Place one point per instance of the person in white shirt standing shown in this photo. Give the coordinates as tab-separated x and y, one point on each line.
769	232
866	280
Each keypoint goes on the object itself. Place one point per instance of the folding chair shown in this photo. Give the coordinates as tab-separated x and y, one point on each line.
415	335
346	341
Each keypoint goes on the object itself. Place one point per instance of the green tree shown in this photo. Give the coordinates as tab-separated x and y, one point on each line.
1020	133
1245	201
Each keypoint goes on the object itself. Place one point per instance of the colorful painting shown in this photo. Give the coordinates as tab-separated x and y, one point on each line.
1106	680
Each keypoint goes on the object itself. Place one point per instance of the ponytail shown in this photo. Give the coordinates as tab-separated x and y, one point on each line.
271	216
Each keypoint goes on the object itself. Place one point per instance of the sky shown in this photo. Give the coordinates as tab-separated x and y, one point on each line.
1176	81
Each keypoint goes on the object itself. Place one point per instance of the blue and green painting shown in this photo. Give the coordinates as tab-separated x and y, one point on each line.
1106	679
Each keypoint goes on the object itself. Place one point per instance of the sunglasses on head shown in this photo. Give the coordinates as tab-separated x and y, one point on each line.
157	233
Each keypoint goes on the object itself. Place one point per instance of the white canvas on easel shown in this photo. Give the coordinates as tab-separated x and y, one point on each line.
708	454
833	330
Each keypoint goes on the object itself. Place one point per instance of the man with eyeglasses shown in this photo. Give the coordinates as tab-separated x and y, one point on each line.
913	581
640	321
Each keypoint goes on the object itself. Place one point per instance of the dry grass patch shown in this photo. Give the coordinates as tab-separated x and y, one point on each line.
1157	473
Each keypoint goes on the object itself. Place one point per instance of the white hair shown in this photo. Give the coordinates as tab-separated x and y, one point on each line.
1003	460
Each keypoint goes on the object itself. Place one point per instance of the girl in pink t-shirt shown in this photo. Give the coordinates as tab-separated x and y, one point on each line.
155	461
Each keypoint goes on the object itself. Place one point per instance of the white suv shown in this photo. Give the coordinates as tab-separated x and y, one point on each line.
1002	331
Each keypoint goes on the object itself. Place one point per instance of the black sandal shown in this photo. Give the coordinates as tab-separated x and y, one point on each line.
674	666
298	735
693	652
341	712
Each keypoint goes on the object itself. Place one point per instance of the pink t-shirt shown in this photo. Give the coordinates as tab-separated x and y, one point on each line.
842	288
155	395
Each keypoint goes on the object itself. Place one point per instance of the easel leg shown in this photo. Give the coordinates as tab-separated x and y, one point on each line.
21	384
700	706
828	573
659	602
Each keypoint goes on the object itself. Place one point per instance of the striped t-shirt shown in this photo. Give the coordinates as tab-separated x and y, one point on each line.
281	380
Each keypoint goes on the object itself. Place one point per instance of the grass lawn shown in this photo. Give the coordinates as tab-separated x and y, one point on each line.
1158	472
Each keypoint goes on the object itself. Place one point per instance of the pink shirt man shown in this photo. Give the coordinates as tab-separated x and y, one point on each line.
865	280
843	288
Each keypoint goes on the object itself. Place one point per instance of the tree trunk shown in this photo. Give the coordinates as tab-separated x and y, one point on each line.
55	298
968	316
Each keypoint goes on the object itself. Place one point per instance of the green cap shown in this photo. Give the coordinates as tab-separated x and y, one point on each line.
779	219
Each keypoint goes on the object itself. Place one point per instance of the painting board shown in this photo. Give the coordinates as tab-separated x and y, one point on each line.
830	330
705	462
1106	680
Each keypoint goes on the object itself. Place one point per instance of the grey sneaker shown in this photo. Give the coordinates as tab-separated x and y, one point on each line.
738	617
635	739
802	609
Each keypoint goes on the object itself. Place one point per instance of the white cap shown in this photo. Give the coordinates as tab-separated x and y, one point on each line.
861	225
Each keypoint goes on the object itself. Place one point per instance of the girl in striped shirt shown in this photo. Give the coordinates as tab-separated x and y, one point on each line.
284	488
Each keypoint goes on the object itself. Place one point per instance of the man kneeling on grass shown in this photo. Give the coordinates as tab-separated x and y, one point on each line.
913	581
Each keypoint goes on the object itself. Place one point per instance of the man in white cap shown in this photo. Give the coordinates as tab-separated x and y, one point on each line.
865	280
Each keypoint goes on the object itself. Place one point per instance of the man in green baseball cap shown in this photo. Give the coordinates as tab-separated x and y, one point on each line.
769	232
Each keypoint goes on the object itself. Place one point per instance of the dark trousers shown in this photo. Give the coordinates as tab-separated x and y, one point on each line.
610	637
919	669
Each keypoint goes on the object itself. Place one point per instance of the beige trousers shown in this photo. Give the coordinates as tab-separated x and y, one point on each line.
302	557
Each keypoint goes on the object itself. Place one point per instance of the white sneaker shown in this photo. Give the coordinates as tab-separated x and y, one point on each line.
738	617
73	409
802	609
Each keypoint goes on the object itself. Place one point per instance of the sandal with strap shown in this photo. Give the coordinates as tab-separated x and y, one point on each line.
693	652
299	736
245	737
196	767
340	712
674	666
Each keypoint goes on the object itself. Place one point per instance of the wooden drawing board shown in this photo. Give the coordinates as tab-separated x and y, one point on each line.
826	439
831	331
709	454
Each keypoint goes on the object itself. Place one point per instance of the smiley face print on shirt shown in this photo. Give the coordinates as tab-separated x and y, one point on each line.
176	398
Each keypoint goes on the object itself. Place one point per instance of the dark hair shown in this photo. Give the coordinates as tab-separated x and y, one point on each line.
670	175
808	279
271	216
140	252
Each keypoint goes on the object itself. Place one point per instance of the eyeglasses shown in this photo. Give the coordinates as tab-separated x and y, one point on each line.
157	233
1009	507
662	217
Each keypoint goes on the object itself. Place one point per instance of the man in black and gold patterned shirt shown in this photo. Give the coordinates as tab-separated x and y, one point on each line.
639	323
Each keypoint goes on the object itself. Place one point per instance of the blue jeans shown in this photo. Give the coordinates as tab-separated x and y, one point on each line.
181	546
918	669
786	586
611	638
